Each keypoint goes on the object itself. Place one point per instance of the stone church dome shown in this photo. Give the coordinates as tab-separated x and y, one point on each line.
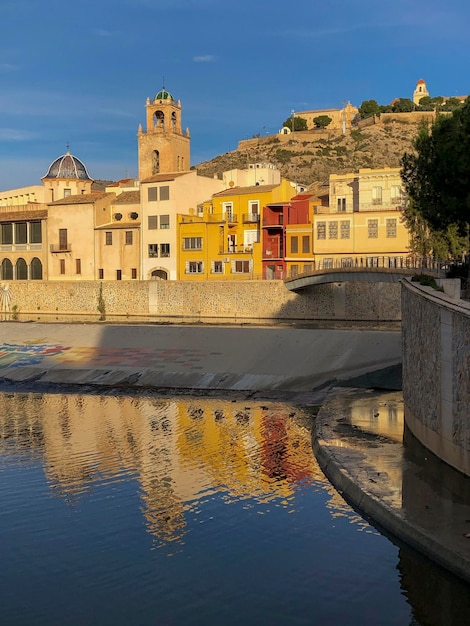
67	166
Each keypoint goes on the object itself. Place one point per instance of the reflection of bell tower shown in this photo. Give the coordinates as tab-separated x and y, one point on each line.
163	147
420	92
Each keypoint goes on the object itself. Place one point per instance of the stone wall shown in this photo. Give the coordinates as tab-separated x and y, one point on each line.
436	365
247	300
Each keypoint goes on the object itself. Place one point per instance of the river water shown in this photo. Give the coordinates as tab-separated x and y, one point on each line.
189	511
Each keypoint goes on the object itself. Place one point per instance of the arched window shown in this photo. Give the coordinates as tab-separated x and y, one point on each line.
173	120
36	269
21	270
159	275
159	119
7	269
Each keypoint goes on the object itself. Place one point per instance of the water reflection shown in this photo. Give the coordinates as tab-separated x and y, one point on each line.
179	450
190	511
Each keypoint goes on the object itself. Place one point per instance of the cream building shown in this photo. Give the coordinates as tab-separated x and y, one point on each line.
341	119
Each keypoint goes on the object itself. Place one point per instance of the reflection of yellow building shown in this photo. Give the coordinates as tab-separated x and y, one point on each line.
179	451
222	239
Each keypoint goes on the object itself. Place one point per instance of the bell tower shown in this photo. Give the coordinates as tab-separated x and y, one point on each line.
420	92
163	147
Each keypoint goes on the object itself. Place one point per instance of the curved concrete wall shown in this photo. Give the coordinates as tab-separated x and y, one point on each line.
436	372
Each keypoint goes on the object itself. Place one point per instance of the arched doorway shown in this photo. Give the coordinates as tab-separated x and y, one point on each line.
36	269
159	275
7	269
21	270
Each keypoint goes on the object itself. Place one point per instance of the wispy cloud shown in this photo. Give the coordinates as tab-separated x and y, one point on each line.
8	67
204	58
102	32
15	134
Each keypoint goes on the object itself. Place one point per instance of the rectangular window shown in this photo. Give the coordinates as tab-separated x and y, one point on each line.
192	243
345	228
165	192
346	262
327	264
62	238
307	268
305	244
294	270
242	267
78	266
7	233
294	245
217	267
109	238
35	232
164	249
129	237
118	275
152	194
164	221
134	273
101	274
396	194
228	211
341	205
153	249
333	230
391	226
376	195
67	193
194	267
62	266
21	232
152	222
321	230
372	229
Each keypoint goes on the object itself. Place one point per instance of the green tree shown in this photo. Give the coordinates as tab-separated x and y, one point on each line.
296	123
369	108
436	176
425	104
322	121
451	104
403	105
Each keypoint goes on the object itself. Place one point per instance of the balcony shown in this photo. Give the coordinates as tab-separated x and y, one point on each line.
273	221
250	218
237	250
61	247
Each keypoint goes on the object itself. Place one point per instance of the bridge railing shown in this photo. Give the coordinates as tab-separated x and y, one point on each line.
378	263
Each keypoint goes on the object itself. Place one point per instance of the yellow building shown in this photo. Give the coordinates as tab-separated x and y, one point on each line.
221	241
341	119
362	225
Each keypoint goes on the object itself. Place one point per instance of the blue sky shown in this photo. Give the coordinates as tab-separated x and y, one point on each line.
79	73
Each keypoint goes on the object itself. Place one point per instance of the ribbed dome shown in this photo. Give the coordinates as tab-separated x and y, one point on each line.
164	95
67	166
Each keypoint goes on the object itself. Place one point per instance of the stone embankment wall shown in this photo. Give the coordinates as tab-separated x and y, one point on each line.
247	300
436	372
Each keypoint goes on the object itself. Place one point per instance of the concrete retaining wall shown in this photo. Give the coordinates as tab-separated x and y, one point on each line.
436	372
256	300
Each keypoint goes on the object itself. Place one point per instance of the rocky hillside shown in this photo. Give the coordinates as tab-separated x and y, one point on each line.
308	157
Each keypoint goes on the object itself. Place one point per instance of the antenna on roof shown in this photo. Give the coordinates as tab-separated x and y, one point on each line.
163	83
68	146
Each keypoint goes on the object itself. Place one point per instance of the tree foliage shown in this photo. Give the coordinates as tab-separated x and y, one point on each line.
322	121
296	123
403	105
369	108
436	179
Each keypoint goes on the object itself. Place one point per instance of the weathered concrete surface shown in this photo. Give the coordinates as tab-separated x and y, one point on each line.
250	359
358	441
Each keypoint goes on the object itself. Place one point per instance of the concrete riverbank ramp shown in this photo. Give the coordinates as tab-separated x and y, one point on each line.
188	357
